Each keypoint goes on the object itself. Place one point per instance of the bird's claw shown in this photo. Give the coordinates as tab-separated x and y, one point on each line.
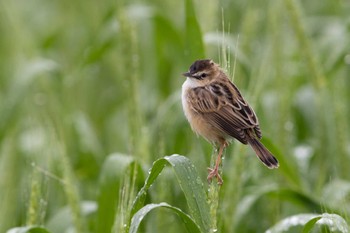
214	172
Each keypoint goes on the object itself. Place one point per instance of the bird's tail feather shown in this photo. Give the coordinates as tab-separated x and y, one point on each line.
263	153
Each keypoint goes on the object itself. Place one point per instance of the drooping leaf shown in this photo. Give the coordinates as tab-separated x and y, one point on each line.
190	225
334	222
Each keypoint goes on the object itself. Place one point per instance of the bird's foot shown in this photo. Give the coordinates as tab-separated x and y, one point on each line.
214	172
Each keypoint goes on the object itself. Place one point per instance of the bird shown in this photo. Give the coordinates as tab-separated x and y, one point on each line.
216	110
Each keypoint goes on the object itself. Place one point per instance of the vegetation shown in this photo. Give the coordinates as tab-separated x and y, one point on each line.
90	111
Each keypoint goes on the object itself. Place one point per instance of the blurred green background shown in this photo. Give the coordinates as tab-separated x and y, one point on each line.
83	81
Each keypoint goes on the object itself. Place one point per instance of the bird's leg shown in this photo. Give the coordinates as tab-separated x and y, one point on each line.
214	172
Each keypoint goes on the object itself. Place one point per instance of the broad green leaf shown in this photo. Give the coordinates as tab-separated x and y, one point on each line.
32	229
190	225
193	188
190	183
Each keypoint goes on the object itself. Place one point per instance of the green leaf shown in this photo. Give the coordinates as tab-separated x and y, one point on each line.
31	229
310	224
193	188
190	183
334	222
190	225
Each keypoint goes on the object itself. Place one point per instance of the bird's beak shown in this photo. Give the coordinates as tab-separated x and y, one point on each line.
187	74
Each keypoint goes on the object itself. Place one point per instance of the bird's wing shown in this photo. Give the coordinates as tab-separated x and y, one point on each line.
225	109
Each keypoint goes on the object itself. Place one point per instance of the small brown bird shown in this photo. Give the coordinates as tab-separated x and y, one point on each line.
216	110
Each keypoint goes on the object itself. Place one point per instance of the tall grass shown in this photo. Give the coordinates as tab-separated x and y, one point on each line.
90	98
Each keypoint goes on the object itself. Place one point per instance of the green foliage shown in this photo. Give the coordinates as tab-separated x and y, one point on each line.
90	98
191	185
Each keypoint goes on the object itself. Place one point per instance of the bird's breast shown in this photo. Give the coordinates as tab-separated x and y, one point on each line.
198	122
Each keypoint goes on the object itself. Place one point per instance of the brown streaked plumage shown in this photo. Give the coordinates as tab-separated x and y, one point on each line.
217	111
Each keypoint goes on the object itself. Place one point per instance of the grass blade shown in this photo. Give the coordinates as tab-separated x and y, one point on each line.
192	186
310	224
191	226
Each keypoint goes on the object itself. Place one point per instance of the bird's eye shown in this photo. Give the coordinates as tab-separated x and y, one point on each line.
204	75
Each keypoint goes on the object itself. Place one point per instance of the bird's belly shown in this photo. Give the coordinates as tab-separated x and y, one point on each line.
201	127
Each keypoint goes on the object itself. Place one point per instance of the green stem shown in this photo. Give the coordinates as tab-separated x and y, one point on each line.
213	194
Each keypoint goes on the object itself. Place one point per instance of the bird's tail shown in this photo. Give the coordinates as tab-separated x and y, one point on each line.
263	153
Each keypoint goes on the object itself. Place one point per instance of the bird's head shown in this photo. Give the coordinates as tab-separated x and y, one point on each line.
202	70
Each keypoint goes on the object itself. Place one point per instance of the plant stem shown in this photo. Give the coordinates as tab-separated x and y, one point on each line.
213	193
